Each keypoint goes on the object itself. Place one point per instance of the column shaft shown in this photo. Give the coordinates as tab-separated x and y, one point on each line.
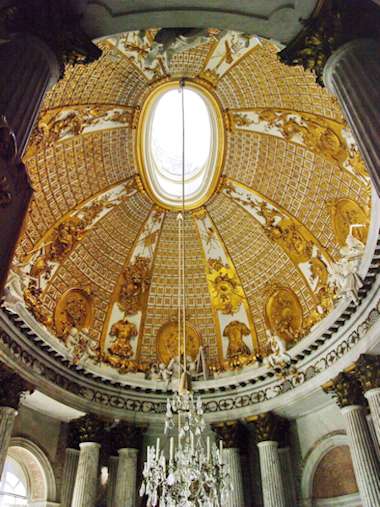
112	478
232	459
364	459
273	489
28	69
125	490
373	397
86	481
352	73
69	475
7	418
287	473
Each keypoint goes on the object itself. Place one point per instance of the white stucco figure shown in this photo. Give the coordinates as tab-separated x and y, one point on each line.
344	273
17	282
279	356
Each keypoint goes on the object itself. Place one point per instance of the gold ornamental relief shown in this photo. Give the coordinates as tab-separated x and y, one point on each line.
135	285
167	342
74	309
284	315
345	213
225	289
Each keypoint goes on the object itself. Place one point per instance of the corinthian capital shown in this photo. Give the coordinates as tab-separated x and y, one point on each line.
270	427
230	433
346	390
12	388
337	22
367	372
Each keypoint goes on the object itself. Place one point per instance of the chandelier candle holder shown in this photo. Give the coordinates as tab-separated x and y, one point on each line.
195	474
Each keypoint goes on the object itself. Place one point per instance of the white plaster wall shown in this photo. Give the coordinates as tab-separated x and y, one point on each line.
313	426
40	428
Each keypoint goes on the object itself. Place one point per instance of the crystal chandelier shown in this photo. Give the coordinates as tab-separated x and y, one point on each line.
195	474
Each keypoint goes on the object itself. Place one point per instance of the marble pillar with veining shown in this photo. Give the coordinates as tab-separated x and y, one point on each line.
287	472
352	73
271	476
69	476
28	69
86	481
125	489
231	458
113	464
364	459
7	419
373	397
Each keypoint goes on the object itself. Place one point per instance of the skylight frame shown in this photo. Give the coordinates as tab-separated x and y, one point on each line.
151	174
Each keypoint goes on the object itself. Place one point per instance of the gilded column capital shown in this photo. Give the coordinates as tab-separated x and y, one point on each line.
270	427
336	23
89	428
54	22
230	433
367	371
346	390
12	388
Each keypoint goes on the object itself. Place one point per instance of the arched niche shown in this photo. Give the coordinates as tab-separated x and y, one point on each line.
328	476
37	468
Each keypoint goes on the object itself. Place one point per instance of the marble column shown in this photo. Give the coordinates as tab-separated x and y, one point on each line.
367	371
7	418
352	73
86	481
373	397
28	69
125	490
270	466
287	473
364	459
112	476
69	475
348	394
232	434
232	459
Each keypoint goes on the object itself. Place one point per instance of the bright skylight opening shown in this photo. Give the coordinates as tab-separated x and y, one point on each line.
167	133
162	146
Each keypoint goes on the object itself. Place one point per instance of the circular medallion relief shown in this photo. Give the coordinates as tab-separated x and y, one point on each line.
167	342
159	144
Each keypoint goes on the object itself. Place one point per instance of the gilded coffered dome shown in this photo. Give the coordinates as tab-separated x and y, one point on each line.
281	205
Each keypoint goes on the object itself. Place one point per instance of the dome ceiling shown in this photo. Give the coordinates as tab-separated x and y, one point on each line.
99	255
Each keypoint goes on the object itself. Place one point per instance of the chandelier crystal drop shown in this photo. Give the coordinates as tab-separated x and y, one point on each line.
195	474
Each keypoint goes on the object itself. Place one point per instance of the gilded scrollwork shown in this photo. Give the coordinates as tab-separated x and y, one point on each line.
135	284
226	291
324	137
58	124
